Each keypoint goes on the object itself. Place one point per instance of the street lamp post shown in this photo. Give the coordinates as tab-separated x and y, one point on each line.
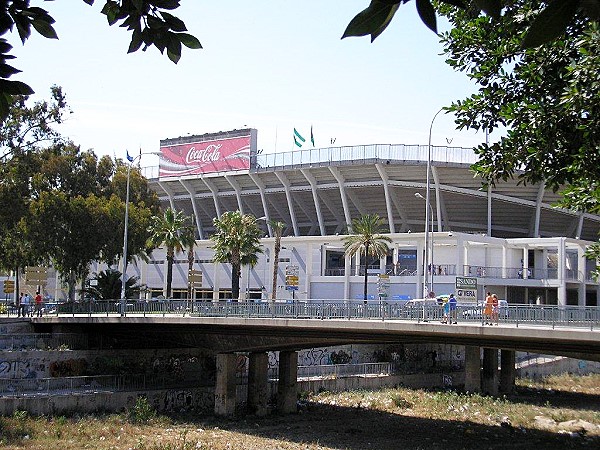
428	206
124	275
248	269
428	263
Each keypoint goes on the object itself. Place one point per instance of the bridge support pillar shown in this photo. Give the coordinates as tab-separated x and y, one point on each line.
287	388
257	383
472	369
507	371
489	374
225	384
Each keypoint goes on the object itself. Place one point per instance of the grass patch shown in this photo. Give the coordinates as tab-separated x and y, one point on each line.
389	418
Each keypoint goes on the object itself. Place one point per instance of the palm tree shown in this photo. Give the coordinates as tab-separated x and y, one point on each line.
170	230
108	286
236	241
277	228
366	241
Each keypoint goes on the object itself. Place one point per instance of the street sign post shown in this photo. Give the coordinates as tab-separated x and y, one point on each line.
195	278
466	289
36	276
292	279
9	287
383	285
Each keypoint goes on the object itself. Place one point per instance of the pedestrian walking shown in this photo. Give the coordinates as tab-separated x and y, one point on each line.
38	304
487	310
25	303
452	308
495	312
446	311
20	305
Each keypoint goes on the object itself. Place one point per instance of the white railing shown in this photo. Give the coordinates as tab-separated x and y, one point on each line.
545	315
356	154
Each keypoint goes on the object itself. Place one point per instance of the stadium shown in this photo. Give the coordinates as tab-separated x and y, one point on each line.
510	238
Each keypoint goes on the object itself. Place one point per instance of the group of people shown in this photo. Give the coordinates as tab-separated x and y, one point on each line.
25	304
490	310
450	310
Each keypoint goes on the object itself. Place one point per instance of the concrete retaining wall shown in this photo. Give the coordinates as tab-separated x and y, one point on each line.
543	366
34	364
163	400
202	399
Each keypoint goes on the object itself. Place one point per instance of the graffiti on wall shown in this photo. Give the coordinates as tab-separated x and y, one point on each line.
21	368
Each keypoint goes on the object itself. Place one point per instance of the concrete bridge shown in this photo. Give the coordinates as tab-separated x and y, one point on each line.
255	329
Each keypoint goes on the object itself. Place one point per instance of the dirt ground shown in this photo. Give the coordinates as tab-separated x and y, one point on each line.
561	414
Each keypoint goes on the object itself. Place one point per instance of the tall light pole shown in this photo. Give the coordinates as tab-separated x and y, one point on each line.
428	263
428	206
124	275
248	268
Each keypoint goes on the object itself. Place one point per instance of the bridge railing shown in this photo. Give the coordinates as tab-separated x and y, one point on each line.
43	341
339	370
17	387
516	314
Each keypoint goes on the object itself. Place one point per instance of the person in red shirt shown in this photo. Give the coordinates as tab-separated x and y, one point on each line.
38	304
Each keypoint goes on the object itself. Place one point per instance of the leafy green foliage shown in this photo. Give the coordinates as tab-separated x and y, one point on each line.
172	230
546	98
149	22
237	242
60	204
366	240
553	21
141	412
108	286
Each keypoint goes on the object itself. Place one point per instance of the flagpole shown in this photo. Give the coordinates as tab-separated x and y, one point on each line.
125	230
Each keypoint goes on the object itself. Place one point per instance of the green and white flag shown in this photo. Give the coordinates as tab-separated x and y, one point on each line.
298	139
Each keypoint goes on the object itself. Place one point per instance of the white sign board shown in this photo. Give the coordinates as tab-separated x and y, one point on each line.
466	289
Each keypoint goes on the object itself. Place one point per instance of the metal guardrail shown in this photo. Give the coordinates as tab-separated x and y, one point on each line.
423	311
19	387
338	370
43	341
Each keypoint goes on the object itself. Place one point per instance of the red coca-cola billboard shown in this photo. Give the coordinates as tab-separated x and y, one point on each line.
216	152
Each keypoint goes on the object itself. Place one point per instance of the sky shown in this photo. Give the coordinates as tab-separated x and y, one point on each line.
269	65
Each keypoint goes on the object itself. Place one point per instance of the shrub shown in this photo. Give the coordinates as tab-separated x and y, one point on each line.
142	411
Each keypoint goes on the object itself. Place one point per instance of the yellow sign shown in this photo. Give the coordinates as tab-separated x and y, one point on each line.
9	286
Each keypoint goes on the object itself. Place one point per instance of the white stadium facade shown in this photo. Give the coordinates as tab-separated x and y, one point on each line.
510	239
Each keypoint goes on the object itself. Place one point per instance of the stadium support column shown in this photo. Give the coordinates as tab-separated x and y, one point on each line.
347	274
194	208
538	210
562	284
225	389
472	369
215	193
169	193
489	374
263	198
238	191
581	269
386	192
288	196
287	387
440	206
341	183
313	187
258	383
507	371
